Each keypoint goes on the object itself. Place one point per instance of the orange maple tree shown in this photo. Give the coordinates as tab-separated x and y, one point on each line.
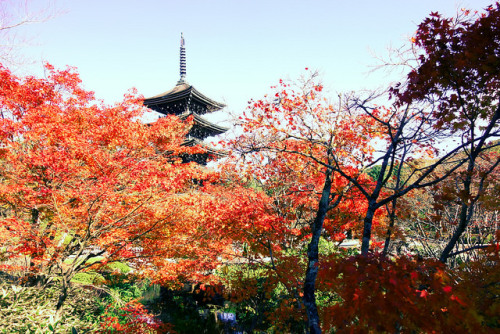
84	184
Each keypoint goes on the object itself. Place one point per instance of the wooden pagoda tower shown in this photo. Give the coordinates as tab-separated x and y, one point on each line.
183	101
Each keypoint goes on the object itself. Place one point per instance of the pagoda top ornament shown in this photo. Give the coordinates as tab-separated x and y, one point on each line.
182	80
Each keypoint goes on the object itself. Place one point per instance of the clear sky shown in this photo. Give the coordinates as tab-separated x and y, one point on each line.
235	49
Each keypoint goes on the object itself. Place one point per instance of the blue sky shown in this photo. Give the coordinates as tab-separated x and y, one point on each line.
235	49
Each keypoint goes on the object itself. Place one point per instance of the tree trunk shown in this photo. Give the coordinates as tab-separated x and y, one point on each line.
62	298
313	259
34	279
392	219
466	211
467	206
367	227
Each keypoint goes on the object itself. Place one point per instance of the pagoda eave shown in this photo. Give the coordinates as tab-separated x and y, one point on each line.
203	125
210	151
182	94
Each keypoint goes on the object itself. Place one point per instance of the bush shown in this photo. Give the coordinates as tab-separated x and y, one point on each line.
32	310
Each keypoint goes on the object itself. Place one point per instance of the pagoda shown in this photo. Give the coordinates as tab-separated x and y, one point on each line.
183	101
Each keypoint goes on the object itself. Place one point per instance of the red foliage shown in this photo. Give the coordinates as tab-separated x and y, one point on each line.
459	64
132	318
381	295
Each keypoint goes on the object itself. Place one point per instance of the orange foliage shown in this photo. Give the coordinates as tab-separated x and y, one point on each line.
82	180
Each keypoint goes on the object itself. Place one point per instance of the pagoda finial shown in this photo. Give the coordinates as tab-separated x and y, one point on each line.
183	62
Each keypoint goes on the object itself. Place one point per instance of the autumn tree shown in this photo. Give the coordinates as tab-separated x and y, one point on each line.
297	135
274	241
433	214
457	73
320	155
83	184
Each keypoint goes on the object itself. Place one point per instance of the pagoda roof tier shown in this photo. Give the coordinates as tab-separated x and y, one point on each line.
202	128
201	158
180	99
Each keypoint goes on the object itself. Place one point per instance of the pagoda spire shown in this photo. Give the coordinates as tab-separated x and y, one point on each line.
182	80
